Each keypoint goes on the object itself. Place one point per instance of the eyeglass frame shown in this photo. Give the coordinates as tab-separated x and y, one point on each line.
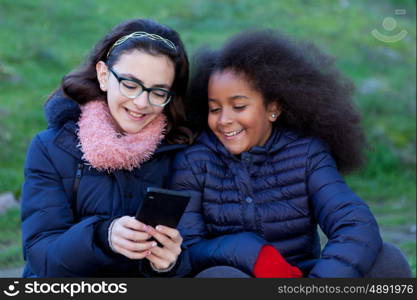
144	89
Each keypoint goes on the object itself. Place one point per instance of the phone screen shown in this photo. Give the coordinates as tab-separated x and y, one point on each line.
162	207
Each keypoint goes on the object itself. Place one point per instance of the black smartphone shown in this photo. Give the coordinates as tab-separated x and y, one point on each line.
162	207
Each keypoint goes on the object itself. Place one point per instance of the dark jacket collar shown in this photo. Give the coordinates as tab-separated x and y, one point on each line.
67	139
60	109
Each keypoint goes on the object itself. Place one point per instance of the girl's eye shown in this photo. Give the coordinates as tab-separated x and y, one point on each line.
159	94
242	107
214	110
129	86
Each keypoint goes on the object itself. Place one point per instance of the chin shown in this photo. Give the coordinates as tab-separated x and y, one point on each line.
130	130
235	151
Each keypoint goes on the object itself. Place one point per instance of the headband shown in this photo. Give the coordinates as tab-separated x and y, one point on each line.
138	34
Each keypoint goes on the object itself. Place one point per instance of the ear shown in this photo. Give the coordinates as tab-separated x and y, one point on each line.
102	75
273	110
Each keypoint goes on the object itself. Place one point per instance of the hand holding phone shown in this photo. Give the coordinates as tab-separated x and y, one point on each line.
128	237
163	207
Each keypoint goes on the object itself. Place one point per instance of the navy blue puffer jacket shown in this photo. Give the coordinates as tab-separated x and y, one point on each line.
277	195
63	238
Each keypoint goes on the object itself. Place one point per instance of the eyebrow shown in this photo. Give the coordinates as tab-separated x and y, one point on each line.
133	78
238	97
235	97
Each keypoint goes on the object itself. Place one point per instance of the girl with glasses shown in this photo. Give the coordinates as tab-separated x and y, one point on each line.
113	127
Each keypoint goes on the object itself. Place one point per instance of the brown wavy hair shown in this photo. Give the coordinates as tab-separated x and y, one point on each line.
82	84
315	97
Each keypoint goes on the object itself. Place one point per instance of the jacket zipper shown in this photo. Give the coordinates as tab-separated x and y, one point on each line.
77	179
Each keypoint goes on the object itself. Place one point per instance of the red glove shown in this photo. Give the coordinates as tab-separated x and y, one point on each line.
271	264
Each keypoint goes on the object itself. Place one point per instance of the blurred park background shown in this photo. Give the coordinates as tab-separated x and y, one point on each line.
374	42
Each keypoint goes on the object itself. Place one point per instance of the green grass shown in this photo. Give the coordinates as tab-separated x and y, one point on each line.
10	239
43	40
409	250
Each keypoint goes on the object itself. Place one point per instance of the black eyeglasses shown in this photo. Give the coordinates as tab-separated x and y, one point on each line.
132	88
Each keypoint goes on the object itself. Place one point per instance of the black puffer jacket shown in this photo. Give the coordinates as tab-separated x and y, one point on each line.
276	194
66	238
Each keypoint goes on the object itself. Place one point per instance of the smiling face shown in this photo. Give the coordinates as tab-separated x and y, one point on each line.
131	115
237	114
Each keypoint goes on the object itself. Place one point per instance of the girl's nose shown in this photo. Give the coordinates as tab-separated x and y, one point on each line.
141	101
225	118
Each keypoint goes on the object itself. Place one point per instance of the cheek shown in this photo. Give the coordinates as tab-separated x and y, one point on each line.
111	102
211	120
113	94
157	110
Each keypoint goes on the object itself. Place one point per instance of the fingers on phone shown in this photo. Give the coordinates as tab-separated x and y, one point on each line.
130	234
173	233
165	253
132	223
137	236
162	238
134	255
134	250
169	247
159	262
137	247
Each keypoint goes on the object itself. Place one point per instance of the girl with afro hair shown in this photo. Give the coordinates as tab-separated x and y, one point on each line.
278	127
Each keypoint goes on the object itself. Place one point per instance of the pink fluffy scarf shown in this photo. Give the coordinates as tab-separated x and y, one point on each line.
106	149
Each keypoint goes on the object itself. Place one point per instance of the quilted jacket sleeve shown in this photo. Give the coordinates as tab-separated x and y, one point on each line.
352	231
238	250
53	245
